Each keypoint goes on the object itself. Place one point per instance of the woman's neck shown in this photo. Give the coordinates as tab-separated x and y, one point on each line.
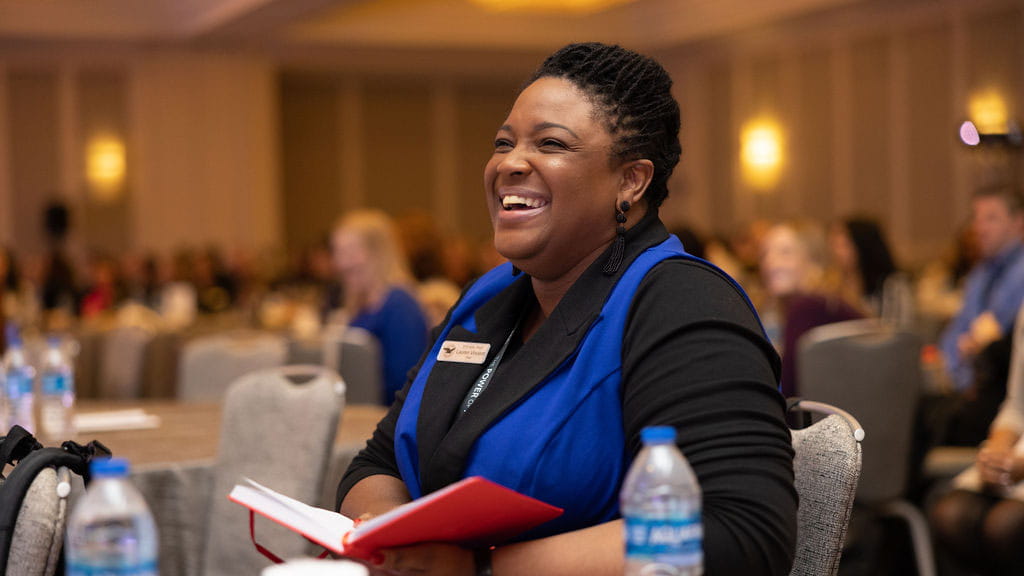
550	291
369	298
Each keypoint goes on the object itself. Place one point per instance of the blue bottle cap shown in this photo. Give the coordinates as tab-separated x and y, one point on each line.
658	434
109	468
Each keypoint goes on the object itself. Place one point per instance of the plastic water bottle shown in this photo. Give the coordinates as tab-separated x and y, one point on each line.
111	531
19	378
661	506
58	392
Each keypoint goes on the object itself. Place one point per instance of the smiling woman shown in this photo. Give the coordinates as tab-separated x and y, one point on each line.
546	370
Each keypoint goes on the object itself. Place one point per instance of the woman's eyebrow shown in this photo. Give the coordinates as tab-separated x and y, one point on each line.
542	126
546	125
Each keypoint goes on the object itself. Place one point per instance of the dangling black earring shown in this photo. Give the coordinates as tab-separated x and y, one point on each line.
619	244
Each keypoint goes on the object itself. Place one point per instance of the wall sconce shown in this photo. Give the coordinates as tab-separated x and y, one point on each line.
987	109
762	153
105	167
990	122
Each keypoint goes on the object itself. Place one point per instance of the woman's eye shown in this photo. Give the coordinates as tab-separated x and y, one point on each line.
502	145
552	143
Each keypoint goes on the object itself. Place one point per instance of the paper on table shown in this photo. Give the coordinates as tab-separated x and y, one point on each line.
128	419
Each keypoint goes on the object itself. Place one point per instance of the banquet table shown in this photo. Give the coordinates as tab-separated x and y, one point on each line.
190	432
172	447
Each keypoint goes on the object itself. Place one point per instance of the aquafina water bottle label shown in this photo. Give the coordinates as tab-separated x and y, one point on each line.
668	542
146	569
18	384
55	383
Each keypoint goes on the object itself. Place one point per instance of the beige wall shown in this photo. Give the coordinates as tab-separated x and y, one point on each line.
205	127
405	146
200	132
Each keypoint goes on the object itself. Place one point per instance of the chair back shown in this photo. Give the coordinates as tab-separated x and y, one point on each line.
873	371
209	364
122	360
278	428
352	352
356	356
38	536
826	467
87	362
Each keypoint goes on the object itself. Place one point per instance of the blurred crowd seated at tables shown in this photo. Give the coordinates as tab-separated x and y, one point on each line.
190	292
800	274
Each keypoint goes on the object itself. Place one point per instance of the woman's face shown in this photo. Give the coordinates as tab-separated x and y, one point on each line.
551	185
785	262
844	253
352	259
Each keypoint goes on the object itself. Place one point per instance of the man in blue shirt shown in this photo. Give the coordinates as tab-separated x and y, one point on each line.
994	288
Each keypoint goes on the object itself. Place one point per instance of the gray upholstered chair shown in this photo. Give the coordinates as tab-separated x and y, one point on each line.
122	361
874	371
39	530
352	352
209	364
278	428
826	468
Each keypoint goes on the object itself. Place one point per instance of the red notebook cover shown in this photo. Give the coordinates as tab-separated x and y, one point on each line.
471	512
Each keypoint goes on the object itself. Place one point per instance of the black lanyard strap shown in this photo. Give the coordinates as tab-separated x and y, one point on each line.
485	377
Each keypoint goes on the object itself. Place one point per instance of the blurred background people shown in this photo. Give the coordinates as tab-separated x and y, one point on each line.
939	289
378	293
979	524
995	286
139	279
793	269
59	290
863	262
10	285
103	291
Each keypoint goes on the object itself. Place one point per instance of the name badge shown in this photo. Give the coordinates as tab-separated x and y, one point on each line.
464	352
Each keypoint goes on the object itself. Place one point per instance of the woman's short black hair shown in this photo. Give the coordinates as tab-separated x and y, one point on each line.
634	93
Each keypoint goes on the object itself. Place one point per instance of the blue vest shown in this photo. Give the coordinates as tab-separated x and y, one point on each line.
564	442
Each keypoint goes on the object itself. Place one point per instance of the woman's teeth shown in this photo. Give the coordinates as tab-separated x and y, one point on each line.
520	202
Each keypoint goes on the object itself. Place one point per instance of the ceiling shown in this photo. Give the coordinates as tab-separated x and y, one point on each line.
388	24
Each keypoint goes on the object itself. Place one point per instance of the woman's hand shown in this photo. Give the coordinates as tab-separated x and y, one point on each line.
994	465
997	463
424	560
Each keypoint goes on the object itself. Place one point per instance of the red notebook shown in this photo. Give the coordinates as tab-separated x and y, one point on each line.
471	512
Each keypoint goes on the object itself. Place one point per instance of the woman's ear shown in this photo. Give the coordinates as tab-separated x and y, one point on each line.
636	177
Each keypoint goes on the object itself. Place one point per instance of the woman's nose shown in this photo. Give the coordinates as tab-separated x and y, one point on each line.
514	162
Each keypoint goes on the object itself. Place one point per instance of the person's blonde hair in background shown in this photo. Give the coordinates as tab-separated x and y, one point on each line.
379	291
369	258
436	296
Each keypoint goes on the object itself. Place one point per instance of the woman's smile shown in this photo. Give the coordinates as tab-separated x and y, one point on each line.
520	205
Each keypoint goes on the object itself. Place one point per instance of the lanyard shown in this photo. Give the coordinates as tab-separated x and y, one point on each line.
485	377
